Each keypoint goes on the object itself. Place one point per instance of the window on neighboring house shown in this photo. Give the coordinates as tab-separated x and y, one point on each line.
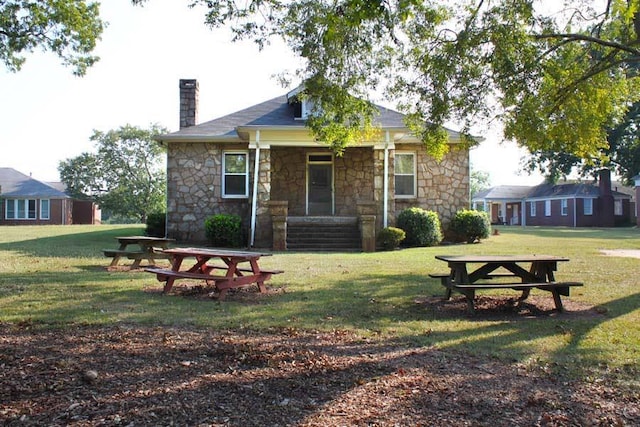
547	207
405	174
235	177
588	206
617	207
44	209
564	207
20	209
532	209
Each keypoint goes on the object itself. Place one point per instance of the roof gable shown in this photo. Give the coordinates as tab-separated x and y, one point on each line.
276	113
18	185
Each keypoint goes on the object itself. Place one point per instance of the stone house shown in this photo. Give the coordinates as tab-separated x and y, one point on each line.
292	192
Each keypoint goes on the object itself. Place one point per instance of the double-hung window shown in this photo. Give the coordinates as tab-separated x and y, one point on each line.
588	207
20	209
617	207
405	174
235	176
564	207
532	209
547	207
44	209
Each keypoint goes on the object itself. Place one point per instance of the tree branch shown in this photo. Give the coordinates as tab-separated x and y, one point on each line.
590	39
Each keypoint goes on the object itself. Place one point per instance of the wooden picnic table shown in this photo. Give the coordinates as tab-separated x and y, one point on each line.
233	268
503	272
149	248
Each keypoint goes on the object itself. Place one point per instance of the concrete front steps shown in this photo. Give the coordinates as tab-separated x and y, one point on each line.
325	234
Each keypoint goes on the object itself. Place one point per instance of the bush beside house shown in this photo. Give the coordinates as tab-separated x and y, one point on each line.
421	226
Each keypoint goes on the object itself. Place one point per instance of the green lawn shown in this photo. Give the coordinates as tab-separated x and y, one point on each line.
56	275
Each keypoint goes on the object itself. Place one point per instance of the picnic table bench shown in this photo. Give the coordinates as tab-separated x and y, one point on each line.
540	275
223	277
149	248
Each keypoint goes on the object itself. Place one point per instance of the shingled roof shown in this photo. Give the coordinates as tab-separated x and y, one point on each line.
274	113
18	185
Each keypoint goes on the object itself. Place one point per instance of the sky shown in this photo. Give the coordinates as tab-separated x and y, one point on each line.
47	115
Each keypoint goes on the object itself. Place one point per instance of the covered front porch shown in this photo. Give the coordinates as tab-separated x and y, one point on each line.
504	204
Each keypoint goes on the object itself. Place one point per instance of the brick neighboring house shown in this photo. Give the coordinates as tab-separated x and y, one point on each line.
263	164
571	204
27	201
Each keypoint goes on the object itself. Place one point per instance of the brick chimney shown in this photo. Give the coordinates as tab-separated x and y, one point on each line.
607	218
188	102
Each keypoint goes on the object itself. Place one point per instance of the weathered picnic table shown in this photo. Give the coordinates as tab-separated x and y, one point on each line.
234	268
149	248
493	270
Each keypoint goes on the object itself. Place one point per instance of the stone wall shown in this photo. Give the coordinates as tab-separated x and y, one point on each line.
194	188
289	178
353	177
442	187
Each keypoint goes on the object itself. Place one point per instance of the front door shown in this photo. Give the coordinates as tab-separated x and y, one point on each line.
319	187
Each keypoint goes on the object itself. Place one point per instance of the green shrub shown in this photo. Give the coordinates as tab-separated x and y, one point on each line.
470	226
422	227
156	224
224	230
389	238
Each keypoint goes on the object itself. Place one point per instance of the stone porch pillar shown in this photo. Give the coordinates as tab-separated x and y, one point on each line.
368	232
279	210
367	224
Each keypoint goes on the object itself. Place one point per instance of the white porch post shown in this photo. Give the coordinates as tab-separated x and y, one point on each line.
254	202
385	184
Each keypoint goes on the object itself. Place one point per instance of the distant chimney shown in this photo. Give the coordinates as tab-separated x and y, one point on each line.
605	181
188	102
607	215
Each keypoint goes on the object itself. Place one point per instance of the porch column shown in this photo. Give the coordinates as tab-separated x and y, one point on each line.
367	225
637	182
368	232
263	229
279	211
504	213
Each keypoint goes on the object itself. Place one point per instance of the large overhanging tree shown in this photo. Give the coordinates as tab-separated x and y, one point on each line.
68	28
556	78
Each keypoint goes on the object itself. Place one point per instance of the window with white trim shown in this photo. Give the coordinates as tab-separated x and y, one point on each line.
564	207
235	174
405	174
44	208
617	207
532	209
587	208
20	209
547	208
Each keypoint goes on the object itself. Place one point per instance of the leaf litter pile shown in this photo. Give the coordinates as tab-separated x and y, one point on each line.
135	375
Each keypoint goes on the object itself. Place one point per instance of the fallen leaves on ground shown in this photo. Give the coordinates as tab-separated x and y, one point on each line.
135	376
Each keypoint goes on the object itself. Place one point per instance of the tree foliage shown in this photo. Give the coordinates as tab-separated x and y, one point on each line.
478	181
68	28
557	79
124	176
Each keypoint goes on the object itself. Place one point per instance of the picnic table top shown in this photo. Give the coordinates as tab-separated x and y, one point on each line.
213	252
136	239
500	258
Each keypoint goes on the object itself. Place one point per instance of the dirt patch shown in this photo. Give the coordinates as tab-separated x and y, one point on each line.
133	376
200	291
509	308
626	253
